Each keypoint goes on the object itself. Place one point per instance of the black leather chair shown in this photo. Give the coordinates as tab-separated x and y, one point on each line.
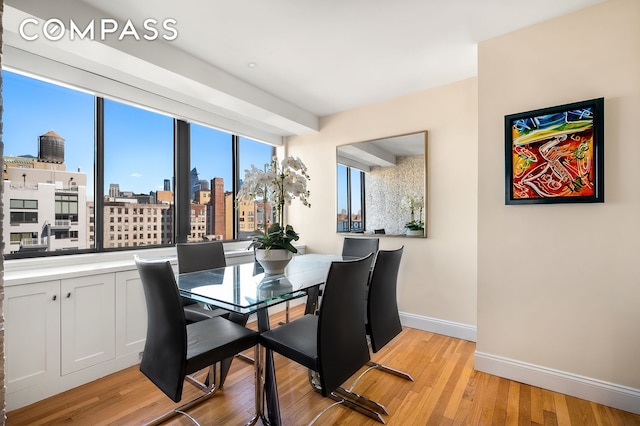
196	257
383	321
200	256
356	247
332	343
174	349
359	247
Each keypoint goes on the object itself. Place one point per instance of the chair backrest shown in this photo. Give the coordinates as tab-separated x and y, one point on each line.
342	341
199	256
359	247
165	351
383	321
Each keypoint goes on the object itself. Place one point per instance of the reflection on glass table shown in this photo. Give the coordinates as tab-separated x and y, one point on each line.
243	289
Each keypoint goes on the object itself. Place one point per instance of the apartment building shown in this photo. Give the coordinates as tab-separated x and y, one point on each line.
47	210
132	224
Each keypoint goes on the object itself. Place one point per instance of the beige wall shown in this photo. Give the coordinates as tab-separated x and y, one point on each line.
559	285
438	274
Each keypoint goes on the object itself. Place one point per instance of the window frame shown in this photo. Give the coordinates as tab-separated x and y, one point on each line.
101	238
363	213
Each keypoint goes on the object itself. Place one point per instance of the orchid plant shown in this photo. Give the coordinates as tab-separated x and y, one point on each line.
414	204
279	183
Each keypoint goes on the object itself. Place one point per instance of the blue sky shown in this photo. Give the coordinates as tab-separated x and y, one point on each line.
138	142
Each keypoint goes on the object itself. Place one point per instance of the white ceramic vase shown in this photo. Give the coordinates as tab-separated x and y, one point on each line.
415	232
273	261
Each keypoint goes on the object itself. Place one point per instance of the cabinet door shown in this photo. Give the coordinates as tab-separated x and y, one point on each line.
87	321
131	315
32	334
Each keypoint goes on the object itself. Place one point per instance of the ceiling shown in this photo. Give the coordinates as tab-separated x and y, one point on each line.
310	58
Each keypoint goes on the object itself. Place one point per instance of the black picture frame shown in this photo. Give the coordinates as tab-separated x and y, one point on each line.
556	154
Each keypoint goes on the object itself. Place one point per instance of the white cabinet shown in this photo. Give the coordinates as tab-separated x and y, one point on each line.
32	334
87	321
61	333
131	317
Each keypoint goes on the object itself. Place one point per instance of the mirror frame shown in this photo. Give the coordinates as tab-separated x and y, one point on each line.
391	198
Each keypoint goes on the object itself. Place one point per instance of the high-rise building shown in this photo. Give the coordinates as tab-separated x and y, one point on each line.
217	224
114	190
194	182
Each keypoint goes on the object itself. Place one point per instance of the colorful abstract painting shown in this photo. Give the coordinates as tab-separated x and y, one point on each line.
555	154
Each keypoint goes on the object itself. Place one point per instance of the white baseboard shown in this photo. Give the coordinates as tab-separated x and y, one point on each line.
434	325
610	394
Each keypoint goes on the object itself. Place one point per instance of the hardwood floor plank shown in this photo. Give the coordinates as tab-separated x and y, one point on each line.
524	406
501	403
513	404
537	412
446	391
562	411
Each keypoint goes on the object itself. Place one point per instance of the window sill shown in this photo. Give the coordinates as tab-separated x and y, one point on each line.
26	271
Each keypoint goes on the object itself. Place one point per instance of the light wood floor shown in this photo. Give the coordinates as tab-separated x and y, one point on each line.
446	391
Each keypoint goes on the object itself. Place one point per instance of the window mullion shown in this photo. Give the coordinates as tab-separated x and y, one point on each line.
182	168
99	176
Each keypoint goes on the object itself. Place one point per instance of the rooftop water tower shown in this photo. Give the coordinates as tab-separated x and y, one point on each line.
51	148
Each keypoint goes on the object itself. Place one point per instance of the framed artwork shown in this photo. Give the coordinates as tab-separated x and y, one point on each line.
555	155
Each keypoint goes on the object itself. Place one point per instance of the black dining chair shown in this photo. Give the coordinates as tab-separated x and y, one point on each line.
332	343
175	350
359	247
197	257
356	247
201	256
383	320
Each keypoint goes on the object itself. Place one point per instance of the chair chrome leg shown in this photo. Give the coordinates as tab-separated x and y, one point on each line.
375	366
390	370
324	411
210	390
245	358
195	422
314	381
356	407
361	400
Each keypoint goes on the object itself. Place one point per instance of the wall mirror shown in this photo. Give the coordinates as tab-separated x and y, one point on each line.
382	186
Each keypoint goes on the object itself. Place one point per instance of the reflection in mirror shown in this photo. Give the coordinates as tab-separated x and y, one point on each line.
382	186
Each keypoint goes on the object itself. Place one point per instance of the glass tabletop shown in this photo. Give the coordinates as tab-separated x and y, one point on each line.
245	288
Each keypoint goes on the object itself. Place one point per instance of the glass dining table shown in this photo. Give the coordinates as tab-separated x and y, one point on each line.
246	289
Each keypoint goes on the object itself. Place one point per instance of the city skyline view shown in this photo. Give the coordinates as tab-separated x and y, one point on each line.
135	146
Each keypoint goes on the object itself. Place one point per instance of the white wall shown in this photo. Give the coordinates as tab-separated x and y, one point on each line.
559	285
438	274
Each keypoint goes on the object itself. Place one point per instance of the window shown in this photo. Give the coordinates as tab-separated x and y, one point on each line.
24	217
22	237
350	215
256	153
24	204
48	134
67	207
138	147
135	169
211	179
